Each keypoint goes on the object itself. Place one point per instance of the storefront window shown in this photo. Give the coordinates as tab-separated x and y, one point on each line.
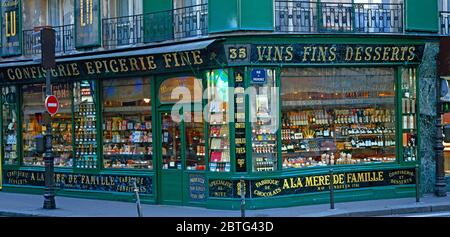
127	124
219	129
264	119
33	109
85	125
181	89
195	141
9	126
409	120
337	116
171	142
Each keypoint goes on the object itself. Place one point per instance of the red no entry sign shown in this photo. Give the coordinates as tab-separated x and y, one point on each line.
52	104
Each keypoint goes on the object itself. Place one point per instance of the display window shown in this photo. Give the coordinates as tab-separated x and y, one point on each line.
127	124
195	141
33	109
409	120
218	118
9	125
187	89
171	142
85	107
264	118
337	116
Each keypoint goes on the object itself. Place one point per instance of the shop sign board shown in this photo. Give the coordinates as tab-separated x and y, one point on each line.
326	53
191	60
259	76
11	27
51	104
197	187
299	184
87	23
89	182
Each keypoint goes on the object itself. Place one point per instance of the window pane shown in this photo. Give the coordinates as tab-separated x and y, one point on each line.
171	142
188	89
33	109
127	124
10	124
218	118
409	119
264	120
85	125
195	141
334	116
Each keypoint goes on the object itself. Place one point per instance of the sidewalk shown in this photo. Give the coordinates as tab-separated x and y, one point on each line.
12	204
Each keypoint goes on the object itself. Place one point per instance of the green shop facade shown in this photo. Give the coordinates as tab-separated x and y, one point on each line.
188	121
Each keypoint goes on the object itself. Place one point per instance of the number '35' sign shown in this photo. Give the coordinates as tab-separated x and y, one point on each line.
237	53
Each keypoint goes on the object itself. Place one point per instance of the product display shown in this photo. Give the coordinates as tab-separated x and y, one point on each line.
127	124
9	126
62	141
85	126
337	136
219	129
409	121
219	143
195	141
264	122
336	122
171	143
85	136
127	142
32	125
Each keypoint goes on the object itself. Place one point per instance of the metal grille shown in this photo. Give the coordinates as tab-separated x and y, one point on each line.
64	40
318	17
158	26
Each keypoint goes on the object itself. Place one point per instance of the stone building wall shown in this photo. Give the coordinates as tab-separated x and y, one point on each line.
427	107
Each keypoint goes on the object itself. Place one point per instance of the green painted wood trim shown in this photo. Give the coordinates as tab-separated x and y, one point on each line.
248	129
220	22
231	114
421	15
256	15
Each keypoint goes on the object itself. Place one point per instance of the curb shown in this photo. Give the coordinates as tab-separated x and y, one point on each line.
18	214
394	211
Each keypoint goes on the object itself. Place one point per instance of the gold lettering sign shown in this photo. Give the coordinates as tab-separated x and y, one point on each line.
115	65
308	53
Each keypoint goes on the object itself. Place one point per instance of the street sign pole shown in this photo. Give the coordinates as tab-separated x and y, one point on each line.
48	62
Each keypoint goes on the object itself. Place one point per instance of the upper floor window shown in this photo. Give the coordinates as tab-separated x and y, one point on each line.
121	8
444	5
188	3
47	12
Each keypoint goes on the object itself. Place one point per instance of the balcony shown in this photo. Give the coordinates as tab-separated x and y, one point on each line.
175	24
64	40
444	23
327	17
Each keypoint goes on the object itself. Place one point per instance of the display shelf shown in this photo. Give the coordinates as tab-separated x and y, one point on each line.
338	102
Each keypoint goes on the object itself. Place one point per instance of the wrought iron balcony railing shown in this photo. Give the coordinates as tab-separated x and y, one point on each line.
127	30
159	26
445	23
318	17
64	40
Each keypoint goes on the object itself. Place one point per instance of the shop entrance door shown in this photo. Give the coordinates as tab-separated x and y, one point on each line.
171	179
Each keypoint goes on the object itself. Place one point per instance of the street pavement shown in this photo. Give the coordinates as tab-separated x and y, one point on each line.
427	214
13	204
